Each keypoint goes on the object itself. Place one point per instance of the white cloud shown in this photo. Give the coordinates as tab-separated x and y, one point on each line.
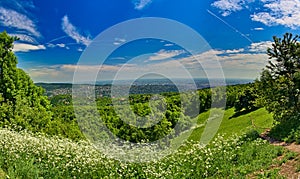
50	74
229	6
61	45
73	32
18	5
14	19
118	58
65	72
21	47
245	61
163	54
275	12
119	41
169	45
260	47
280	12
50	45
141	4
236	63
25	38
258	29
89	68
235	51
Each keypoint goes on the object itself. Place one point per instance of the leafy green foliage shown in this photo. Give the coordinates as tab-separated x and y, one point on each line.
21	102
61	100
288	131
27	155
126	122
141	116
246	99
280	87
64	123
280	81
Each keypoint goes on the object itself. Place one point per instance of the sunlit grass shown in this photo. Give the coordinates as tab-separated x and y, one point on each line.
258	120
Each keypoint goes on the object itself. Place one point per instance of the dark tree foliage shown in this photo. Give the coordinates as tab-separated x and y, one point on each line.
21	102
285	56
280	81
246	99
61	100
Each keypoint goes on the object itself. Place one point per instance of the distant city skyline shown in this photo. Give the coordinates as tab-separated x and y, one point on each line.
53	35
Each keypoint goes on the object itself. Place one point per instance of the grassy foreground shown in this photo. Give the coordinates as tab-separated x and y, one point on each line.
26	155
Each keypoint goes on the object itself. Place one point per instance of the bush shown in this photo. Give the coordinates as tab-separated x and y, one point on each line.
288	130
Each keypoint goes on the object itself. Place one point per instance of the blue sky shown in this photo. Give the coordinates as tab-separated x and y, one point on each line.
54	34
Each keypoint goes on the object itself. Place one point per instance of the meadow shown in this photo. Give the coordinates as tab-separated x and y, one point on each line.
232	153
42	137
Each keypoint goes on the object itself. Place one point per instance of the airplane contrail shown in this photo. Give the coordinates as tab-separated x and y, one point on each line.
62	37
233	28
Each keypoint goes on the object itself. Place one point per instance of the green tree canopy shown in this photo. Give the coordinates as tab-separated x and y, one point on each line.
280	81
21	102
246	99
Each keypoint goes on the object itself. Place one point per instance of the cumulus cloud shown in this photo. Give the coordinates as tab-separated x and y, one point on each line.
73	32
260	47
253	56
14	19
49	74
141	4
21	47
236	65
286	13
275	12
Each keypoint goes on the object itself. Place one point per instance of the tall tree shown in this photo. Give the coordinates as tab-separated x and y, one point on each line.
21	102
280	81
8	67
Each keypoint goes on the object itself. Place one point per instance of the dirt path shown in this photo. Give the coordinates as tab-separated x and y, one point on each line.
290	168
290	146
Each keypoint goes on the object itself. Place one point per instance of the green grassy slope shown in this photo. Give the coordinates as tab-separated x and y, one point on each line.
258	120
